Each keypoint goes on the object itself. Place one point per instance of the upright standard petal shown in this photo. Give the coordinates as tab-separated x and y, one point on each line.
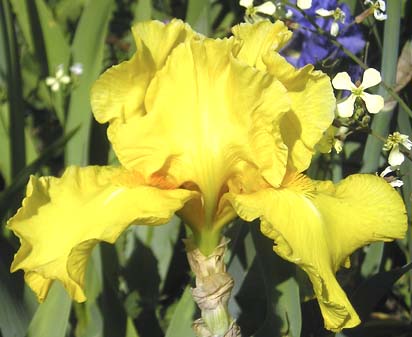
311	112
62	219
119	93
258	39
312	100
318	225
197	129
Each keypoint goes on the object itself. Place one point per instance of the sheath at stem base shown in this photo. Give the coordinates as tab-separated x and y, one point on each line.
212	292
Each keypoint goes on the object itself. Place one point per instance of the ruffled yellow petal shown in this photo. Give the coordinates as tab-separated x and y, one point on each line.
62	219
311	94
120	91
318	225
312	108
207	113
258	39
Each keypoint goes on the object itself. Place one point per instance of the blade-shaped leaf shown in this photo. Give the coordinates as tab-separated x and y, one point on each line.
283	317
52	317
181	323
88	46
372	290
8	196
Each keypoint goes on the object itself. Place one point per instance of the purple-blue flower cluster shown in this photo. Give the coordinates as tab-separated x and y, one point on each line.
308	46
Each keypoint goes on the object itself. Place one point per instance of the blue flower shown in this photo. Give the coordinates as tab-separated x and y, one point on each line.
308	46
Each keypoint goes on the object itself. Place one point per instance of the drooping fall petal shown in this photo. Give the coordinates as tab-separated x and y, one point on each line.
318	225
62	219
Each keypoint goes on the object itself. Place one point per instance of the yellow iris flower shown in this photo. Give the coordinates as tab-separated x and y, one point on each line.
211	129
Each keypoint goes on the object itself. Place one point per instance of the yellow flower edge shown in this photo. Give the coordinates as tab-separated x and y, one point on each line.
62	219
317	225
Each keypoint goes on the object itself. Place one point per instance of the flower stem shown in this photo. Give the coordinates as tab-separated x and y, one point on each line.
206	241
212	291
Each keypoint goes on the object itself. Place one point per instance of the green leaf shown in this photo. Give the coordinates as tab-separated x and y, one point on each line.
143	10
351	4
380	328
181	323
130	329
404	124
52	317
371	291
56	45
89	316
46	42
14	316
14	89
381	121
21	11
372	262
283	316
198	16
5	160
161	241
8	196
68	10
88	46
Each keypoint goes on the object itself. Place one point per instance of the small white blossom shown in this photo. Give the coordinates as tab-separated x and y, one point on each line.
59	78
396	157
304	4
337	15
76	69
252	12
374	103
379	8
392	180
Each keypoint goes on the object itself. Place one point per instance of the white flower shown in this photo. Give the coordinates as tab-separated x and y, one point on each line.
379	8
392	180
337	15
76	69
60	78
304	4
396	157
252	12
374	103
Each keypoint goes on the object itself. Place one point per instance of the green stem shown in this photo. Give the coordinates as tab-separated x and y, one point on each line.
207	240
381	122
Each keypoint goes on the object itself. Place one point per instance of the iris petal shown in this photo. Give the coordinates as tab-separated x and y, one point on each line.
258	39
310	92
223	111
318	225
119	93
62	219
311	112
